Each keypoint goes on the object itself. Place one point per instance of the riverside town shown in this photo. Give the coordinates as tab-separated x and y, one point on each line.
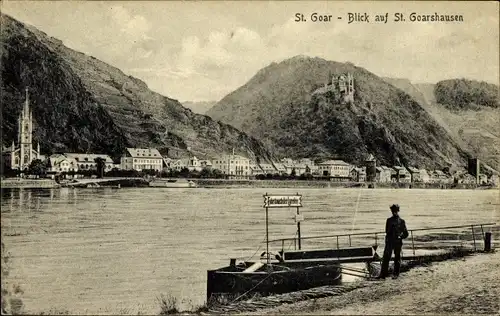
24	160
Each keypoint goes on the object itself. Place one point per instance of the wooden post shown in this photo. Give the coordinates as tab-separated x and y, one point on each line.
267	236
298	227
487	242
338	242
473	237
412	243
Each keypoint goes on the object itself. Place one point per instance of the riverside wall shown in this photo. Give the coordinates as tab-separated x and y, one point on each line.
11	183
8	183
221	183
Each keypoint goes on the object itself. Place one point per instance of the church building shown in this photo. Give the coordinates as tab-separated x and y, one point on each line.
21	155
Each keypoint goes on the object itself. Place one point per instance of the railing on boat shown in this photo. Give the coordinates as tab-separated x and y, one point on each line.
375	235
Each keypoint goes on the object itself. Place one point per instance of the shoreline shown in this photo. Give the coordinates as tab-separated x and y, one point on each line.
17	183
466	286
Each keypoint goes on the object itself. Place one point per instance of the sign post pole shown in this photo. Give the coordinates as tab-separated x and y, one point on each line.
298	226
267	236
281	201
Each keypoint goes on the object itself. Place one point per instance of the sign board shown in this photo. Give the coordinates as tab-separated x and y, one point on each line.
282	201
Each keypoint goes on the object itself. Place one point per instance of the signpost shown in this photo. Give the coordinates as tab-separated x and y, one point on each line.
278	201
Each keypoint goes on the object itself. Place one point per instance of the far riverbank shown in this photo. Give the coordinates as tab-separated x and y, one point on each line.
223	183
12	183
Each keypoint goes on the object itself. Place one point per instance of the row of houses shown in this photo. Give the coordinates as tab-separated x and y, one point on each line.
239	167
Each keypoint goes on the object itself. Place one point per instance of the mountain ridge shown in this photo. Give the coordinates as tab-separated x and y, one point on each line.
277	106
69	86
474	128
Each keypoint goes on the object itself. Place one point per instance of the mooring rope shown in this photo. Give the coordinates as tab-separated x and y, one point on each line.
260	246
253	288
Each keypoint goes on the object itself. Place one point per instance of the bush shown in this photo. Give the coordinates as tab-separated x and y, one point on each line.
168	305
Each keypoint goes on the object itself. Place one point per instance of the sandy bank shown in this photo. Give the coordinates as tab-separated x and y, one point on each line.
464	286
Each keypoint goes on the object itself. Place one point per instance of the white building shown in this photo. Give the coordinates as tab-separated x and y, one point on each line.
61	163
192	164
298	167
234	166
334	168
88	161
268	168
142	159
255	170
281	168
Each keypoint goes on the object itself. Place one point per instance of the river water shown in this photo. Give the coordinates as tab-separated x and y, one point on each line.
112	251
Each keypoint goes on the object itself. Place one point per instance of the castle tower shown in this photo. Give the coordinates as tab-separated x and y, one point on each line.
25	135
371	168
349	88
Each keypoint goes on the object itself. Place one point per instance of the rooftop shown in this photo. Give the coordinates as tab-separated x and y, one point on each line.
144	152
88	157
334	162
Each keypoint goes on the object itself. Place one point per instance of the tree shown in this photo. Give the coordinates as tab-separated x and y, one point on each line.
184	172
37	167
446	170
217	174
205	173
293	173
101	165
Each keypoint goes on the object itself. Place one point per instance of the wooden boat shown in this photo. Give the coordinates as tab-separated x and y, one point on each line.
291	271
173	183
288	271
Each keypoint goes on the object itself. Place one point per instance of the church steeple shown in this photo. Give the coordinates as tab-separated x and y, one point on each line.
25	133
27	104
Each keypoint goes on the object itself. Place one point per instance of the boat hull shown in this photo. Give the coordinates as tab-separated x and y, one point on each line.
172	184
231	282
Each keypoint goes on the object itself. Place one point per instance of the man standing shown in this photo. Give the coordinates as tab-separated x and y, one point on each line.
395	232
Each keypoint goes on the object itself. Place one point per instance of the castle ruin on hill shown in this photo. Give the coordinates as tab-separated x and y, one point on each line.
341	85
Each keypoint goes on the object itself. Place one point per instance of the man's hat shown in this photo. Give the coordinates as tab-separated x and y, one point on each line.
395	207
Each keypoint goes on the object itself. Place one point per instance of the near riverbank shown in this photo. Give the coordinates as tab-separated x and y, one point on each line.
463	286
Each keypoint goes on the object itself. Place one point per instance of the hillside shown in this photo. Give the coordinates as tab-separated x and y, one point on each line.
277	106
466	94
475	127
200	107
83	104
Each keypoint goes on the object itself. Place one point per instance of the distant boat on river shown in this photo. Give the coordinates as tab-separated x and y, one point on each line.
173	183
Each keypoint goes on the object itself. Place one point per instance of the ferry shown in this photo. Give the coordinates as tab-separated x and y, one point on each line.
173	183
287	271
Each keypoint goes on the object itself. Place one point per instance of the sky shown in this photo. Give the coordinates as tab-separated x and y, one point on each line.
200	51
